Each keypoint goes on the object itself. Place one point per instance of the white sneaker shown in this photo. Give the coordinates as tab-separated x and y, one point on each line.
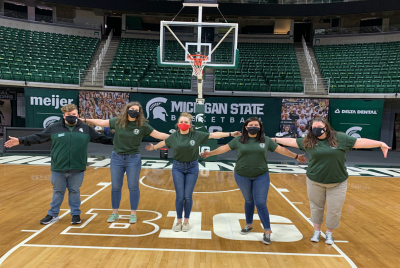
177	227
316	236
185	227
329	238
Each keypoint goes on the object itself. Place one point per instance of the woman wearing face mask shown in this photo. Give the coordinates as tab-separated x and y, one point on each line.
130	127
326	173
185	169
251	171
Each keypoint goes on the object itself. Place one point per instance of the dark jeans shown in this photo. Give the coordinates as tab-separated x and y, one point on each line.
185	176
255	192
131	164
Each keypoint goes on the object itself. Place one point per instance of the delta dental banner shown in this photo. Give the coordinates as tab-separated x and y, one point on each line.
42	106
225	114
357	118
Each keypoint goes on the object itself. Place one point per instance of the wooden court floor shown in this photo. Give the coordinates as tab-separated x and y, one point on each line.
368	235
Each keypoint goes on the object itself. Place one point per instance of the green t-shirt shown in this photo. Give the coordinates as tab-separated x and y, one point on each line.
326	164
127	140
252	156
70	127
186	146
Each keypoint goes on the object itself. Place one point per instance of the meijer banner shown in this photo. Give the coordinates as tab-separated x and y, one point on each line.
357	118
43	105
220	113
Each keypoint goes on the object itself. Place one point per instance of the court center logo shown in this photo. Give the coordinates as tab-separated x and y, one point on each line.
192	142
262	145
353	132
50	120
154	106
136	131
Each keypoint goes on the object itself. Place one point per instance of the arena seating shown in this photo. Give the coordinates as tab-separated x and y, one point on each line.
361	68
44	57
135	64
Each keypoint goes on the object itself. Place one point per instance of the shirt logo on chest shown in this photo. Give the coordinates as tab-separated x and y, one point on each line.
262	145
81	129
136	131
192	142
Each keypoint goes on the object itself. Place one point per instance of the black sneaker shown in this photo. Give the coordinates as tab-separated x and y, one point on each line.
247	229
48	219
267	239
76	219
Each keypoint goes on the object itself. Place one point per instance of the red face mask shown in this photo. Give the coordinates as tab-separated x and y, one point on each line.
183	127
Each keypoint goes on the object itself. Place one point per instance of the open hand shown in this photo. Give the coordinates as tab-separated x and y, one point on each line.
150	147
301	158
11	142
385	148
236	133
205	154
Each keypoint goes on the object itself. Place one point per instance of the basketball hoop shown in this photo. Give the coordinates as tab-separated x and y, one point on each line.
198	62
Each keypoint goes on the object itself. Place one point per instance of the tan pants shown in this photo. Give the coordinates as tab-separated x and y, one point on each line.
334	195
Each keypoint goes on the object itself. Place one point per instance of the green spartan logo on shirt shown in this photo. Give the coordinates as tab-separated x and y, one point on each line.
262	145
136	131
192	142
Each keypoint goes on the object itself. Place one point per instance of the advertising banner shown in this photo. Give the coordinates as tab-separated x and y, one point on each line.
5	114
296	115
42	105
357	118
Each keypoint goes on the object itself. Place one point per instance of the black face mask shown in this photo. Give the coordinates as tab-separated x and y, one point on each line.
71	119
253	130
133	113
318	131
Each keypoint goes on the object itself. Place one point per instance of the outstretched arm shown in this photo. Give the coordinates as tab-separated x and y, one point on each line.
37	138
219	150
283	151
218	135
159	135
367	143
152	147
97	122
291	142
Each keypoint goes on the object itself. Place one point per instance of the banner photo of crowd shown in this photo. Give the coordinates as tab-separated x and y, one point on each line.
102	105
296	115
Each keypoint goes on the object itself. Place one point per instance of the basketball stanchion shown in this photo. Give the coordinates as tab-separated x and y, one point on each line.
198	63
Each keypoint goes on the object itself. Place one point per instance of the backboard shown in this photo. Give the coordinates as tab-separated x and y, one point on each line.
218	41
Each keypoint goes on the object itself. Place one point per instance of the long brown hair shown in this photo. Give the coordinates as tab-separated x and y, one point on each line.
123	116
245	134
311	140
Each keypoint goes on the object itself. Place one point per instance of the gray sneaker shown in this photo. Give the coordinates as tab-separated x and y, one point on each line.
247	229
316	236
329	238
267	239
113	218
185	227
133	219
177	227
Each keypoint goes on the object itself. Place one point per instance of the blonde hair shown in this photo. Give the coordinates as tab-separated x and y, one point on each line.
68	108
189	116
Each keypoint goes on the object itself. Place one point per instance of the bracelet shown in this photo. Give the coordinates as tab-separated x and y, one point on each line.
230	134
85	119
296	156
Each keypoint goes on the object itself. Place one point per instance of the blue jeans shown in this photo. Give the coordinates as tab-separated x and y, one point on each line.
185	176
255	192
131	164
61	181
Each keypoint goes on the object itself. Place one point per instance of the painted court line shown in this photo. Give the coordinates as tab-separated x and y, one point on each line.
308	220
30	231
5	256
188	250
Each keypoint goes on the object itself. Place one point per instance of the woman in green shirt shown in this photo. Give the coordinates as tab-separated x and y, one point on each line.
130	128
326	173
185	170
251	171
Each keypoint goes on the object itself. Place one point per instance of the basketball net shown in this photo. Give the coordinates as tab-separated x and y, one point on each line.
198	62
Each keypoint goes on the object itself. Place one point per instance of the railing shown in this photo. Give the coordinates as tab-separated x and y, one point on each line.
357	30
310	64
103	53
316	84
91	78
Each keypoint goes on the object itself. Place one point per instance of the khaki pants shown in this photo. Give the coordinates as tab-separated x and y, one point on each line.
334	195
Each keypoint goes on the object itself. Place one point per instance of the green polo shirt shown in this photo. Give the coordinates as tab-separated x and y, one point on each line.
327	164
252	156
186	146
127	140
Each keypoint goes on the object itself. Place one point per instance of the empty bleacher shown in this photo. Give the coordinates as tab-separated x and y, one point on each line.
361	68
44	57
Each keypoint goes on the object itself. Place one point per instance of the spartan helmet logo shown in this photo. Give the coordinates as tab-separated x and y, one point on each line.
200	118
159	112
